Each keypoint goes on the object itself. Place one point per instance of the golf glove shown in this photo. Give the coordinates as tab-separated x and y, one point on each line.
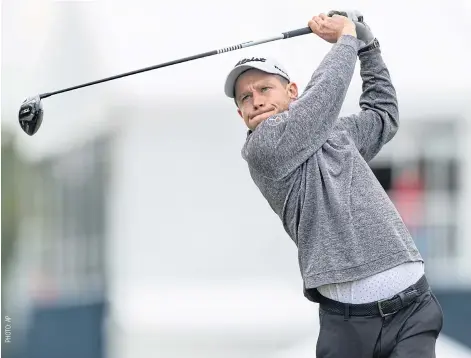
364	33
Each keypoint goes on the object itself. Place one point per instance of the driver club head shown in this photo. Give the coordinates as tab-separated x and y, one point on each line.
30	115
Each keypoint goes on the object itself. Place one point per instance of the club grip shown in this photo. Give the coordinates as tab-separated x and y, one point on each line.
298	32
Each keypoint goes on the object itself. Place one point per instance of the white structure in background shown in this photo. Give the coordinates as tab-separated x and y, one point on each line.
197	263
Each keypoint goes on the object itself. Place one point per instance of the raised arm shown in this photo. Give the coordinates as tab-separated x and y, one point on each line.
283	142
378	121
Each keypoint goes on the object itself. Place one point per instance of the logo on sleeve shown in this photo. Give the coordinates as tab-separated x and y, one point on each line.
274	121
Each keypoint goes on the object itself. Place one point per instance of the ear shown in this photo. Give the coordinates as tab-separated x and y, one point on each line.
240	113
293	90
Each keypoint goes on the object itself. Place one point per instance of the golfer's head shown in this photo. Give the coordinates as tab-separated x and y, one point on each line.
260	88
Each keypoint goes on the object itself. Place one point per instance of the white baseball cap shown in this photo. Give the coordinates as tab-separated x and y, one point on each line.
268	65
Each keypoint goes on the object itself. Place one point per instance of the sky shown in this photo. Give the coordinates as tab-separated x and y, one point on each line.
48	45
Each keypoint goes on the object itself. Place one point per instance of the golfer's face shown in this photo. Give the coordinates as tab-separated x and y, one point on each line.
260	95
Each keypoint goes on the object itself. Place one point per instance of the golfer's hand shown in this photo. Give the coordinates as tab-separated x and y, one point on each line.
332	28
363	31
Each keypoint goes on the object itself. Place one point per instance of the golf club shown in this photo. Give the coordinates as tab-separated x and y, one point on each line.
31	111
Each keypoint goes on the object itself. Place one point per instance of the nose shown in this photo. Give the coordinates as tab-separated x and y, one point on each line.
258	101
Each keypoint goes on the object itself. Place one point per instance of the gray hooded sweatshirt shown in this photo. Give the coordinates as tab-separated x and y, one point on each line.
311	167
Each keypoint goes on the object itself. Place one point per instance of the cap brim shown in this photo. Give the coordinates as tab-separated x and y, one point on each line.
235	73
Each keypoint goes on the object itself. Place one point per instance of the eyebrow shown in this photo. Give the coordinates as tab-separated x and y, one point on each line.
262	83
239	97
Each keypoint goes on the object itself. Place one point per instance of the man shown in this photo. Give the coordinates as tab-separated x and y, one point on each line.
356	256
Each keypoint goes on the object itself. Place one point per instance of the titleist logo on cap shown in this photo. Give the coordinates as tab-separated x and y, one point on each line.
253	59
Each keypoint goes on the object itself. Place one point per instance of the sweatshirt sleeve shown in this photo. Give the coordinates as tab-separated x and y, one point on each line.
284	141
378	121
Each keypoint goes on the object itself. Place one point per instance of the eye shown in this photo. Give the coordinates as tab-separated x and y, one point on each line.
244	98
264	89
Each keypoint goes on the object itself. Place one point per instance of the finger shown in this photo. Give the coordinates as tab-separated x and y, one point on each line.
323	16
317	20
320	23
313	25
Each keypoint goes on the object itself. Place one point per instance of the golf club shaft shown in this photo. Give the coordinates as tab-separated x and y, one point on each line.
284	35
